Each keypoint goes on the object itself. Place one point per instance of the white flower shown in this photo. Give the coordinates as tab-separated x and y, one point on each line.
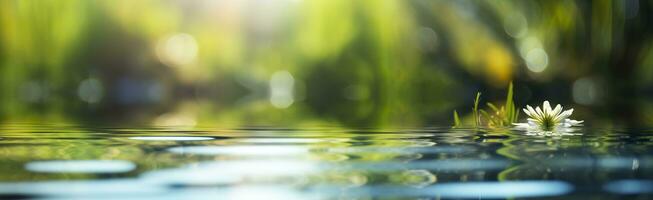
548	121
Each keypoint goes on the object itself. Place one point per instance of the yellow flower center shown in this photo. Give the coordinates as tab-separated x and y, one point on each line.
547	123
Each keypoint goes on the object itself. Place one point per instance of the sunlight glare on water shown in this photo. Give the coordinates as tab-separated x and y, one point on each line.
80	166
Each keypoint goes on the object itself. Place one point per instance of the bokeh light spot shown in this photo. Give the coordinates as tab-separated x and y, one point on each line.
585	91
537	60
90	90
527	44
177	50
34	91
498	65
516	25
428	39
282	85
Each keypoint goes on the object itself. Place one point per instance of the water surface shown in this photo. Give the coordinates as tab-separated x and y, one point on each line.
68	162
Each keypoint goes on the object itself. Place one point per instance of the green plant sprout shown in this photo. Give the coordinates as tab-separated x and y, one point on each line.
477	119
456	120
498	117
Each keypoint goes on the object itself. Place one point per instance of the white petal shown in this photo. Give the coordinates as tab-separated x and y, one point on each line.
532	111
539	112
557	110
547	107
564	115
526	111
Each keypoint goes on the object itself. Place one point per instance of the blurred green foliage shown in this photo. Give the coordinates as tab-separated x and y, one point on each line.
318	63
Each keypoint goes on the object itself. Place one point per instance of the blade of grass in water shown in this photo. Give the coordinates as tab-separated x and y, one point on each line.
499	117
477	118
493	107
510	106
456	119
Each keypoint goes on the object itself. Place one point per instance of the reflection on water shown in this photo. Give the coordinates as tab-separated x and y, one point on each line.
169	138
253	150
80	166
630	186
161	163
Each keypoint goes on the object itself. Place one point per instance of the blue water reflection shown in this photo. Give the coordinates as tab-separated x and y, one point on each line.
496	190
253	150
126	188
630	186
111	188
320	164
80	166
222	173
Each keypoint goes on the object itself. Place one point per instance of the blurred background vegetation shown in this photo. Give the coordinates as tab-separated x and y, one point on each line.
333	63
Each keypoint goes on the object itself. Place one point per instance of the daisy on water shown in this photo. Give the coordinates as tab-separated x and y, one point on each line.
548	120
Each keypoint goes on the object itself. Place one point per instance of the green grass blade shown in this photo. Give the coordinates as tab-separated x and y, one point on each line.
493	107
510	105
456	120
477	119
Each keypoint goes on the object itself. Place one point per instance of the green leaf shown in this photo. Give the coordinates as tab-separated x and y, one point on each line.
477	119
456	119
511	112
493	107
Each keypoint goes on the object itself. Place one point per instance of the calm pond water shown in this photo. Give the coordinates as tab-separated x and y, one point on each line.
74	162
